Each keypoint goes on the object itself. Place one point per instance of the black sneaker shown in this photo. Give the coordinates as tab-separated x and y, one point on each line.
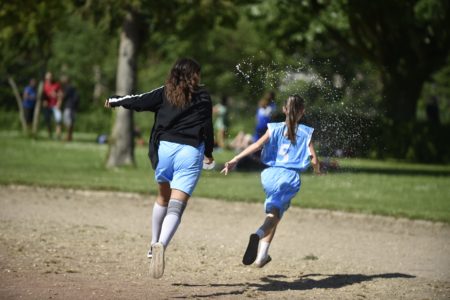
252	250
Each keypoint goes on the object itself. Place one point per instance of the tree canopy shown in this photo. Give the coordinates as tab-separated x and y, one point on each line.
386	58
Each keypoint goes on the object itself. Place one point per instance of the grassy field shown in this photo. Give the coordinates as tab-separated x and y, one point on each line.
379	187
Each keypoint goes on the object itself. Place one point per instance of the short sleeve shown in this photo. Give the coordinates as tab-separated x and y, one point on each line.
270	128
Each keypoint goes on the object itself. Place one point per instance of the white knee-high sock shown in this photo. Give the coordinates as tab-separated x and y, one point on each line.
171	221
158	214
263	251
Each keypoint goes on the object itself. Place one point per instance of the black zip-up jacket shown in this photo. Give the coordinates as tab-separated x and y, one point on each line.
190	125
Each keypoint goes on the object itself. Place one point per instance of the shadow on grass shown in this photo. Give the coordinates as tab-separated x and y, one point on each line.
364	170
253	165
274	283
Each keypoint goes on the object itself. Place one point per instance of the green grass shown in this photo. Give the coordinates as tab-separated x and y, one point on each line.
378	187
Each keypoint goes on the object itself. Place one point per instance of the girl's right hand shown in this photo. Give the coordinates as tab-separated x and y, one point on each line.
208	163
229	166
107	104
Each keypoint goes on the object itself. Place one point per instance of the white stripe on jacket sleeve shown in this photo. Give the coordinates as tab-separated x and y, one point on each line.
118	99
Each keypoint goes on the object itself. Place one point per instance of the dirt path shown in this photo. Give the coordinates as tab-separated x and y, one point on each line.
64	244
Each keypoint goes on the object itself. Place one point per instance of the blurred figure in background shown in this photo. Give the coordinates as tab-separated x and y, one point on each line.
241	141
220	110
29	102
52	104
70	103
264	114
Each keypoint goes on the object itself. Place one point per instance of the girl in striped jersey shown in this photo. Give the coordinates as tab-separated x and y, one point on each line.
287	151
180	142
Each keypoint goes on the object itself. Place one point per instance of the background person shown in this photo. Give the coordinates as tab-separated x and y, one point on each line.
70	101
220	110
29	102
264	114
52	104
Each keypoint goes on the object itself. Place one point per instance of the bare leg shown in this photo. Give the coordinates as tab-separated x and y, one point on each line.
164	194
265	232
179	195
69	130
221	138
270	225
58	131
48	119
268	229
236	143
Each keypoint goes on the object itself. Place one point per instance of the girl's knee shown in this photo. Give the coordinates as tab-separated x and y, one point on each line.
274	214
164	193
162	200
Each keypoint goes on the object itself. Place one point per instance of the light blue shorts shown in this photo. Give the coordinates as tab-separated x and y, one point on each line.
280	186
179	164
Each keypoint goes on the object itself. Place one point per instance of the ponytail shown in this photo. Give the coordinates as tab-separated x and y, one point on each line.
294	107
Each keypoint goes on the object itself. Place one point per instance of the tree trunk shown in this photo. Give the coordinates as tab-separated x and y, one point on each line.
121	149
98	86
37	108
400	95
13	85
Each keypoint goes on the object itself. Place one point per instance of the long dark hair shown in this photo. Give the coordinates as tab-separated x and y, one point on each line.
183	80
294	106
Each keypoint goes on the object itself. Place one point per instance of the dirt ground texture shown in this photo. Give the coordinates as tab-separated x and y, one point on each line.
72	244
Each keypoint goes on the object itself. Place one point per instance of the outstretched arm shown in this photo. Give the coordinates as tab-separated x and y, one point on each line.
314	159
247	151
148	101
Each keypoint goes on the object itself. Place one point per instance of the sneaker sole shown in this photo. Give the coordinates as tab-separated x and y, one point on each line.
157	262
252	250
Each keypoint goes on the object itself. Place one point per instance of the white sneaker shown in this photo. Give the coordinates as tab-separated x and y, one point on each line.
149	253
157	262
260	264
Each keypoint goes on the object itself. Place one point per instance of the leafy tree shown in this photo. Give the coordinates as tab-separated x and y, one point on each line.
140	20
26	31
439	89
90	68
221	50
406	40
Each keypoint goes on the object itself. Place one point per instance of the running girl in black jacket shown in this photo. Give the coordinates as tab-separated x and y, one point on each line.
181	139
